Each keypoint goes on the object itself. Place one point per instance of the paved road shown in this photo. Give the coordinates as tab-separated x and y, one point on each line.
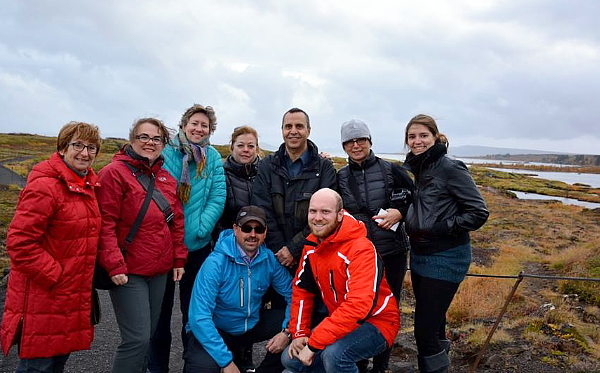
99	358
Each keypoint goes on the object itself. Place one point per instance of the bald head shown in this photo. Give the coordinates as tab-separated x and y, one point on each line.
324	212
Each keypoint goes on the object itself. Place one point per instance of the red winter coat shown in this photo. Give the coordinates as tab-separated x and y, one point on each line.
157	247
346	270
52	243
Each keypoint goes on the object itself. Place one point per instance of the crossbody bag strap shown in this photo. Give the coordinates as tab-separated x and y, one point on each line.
156	195
140	215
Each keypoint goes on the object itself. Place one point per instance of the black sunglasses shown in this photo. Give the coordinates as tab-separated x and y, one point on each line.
259	229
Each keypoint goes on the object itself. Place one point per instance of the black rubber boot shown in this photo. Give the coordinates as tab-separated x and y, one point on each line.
445	344
438	363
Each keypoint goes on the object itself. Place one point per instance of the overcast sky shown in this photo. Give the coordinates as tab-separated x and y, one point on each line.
520	74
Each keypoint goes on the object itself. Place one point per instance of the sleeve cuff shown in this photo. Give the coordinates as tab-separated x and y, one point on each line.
313	349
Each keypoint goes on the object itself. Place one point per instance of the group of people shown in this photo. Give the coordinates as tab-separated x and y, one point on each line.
281	248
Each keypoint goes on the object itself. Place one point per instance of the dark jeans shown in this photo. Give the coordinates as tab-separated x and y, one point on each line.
198	360
54	364
433	298
342	355
160	344
395	269
137	309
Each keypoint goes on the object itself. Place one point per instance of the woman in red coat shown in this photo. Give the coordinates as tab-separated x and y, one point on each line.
52	243
140	269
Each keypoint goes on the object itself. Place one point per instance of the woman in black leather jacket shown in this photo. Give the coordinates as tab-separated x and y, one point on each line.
446	206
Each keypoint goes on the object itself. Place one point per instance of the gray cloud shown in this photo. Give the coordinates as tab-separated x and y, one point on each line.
519	74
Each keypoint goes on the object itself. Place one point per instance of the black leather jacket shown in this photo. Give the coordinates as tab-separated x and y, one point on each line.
446	203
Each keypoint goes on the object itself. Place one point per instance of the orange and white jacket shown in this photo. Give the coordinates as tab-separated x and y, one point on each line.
346	270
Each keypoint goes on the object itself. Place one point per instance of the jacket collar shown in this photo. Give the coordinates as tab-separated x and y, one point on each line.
56	168
369	161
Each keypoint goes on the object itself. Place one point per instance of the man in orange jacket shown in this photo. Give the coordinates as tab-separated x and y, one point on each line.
340	263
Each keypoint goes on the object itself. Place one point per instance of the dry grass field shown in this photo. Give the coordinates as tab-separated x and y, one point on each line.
548	324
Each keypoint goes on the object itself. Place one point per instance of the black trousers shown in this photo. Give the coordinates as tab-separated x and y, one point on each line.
159	350
270	322
395	269
433	298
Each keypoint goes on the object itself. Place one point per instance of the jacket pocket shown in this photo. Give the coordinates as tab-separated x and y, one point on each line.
242	293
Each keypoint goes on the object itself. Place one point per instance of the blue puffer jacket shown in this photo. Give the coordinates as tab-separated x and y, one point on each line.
228	294
207	196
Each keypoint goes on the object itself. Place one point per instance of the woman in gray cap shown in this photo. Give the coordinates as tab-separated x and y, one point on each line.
377	192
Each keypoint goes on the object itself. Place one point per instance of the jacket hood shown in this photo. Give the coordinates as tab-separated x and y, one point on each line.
350	229
56	168
227	245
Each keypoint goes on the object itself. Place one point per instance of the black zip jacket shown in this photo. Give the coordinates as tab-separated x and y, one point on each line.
285	199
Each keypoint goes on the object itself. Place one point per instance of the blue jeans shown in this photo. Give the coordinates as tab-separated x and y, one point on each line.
54	364
341	356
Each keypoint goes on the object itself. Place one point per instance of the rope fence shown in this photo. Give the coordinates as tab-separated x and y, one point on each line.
519	279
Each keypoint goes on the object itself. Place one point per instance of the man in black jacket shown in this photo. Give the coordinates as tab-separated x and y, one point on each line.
285	182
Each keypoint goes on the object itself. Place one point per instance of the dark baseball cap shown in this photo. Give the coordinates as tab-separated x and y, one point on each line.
249	213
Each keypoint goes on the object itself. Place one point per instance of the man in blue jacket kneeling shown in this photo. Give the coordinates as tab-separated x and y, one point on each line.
226	306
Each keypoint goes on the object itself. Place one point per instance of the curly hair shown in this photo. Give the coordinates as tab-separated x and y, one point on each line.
197	108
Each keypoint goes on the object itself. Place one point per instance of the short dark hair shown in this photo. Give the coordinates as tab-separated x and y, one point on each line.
296	110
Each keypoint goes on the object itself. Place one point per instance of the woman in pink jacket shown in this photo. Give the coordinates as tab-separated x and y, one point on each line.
52	243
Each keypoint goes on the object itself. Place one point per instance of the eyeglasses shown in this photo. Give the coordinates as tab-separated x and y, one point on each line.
259	229
92	149
362	141
145	138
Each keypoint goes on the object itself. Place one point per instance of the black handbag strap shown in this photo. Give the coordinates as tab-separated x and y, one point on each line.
140	215
157	196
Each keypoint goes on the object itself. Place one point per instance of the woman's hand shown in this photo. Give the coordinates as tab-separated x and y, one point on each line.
388	220
120	279
178	273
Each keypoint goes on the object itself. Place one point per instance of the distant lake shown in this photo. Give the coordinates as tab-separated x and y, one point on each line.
592	180
568	201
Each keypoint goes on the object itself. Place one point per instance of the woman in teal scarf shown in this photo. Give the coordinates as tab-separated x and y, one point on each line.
202	190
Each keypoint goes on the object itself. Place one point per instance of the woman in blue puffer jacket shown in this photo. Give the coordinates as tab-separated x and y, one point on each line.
201	188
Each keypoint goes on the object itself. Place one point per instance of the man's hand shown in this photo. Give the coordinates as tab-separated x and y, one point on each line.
296	346
306	356
178	273
231	368
285	257
120	279
277	343
388	220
